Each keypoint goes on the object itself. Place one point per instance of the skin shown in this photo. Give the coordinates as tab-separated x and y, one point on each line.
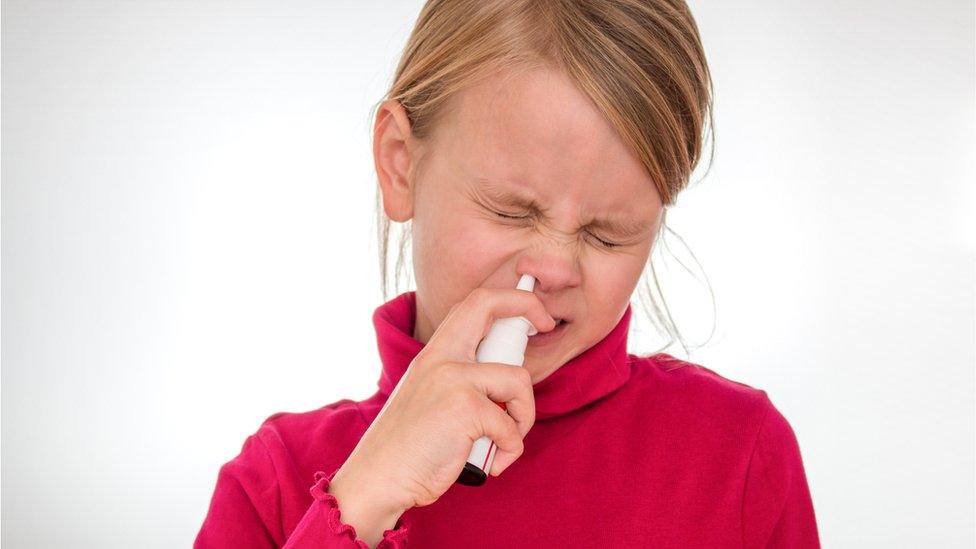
536	134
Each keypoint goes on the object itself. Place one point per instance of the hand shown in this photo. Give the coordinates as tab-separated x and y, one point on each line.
416	447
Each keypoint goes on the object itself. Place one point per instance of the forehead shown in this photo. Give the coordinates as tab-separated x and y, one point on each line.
535	130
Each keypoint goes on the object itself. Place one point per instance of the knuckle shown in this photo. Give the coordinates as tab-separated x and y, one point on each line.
522	376
517	445
450	372
463	402
511	429
534	297
479	297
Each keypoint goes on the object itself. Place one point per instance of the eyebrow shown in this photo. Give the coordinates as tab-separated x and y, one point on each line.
515	196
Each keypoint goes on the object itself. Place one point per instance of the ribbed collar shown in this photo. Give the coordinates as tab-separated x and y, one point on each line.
594	373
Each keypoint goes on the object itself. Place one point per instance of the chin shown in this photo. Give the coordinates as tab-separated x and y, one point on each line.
545	360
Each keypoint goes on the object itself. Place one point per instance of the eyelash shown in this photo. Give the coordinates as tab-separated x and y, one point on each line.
604	243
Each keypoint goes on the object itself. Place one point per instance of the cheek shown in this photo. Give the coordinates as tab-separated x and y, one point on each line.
461	248
609	274
454	256
609	284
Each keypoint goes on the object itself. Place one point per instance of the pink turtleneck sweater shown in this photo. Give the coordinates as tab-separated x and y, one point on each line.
626	451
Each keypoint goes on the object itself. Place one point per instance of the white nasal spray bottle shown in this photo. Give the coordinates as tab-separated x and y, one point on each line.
505	343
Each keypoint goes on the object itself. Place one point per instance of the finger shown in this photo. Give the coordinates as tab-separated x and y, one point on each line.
508	386
468	321
501	429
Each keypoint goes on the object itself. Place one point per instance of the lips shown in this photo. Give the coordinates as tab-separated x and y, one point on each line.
558	318
553	335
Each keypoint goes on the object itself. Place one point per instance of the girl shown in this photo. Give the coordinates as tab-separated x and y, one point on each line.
544	138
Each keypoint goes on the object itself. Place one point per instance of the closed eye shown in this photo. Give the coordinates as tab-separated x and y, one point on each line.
508	216
602	242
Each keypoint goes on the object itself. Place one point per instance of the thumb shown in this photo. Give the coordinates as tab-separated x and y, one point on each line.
501	461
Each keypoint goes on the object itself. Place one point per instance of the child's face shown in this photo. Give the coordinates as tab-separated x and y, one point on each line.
537	136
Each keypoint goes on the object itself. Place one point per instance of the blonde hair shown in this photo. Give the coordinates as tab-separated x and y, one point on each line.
640	61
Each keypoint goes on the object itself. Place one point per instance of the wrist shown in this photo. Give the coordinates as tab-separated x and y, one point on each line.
364	507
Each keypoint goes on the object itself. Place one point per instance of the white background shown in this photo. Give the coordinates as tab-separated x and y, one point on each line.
188	247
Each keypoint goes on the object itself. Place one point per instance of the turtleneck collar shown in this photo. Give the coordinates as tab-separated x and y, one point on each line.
590	375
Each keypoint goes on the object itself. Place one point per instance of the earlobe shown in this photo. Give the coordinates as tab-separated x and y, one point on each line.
393	161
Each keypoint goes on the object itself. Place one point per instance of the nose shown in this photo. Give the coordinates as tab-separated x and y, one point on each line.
555	267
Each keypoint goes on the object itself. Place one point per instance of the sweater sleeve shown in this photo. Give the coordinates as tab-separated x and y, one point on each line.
777	510
245	511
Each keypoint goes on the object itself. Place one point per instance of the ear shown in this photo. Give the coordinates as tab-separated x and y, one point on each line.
393	158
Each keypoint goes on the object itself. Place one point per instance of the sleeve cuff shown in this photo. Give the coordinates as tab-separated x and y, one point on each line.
395	538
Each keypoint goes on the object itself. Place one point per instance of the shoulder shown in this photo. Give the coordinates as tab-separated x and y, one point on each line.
712	405
286	428
693	388
269	478
708	406
293	445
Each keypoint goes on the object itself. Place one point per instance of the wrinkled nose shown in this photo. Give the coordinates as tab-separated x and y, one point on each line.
554	264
